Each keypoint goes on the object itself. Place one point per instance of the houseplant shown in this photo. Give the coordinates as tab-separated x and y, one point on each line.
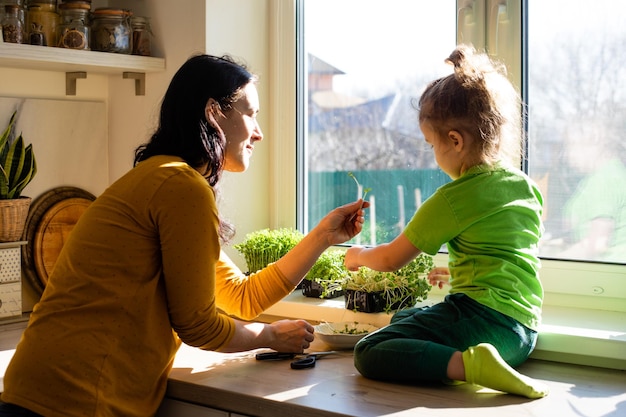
268	245
327	276
17	169
372	291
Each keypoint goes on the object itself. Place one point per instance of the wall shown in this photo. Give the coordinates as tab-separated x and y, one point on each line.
240	28
40	84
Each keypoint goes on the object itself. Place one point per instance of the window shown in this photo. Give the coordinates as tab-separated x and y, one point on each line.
367	61
577	115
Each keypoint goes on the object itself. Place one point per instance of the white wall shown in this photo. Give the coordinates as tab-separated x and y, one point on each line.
240	28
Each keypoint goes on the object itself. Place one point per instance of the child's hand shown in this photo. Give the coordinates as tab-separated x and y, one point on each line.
351	258
439	276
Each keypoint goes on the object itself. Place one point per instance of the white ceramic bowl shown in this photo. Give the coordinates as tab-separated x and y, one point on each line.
342	335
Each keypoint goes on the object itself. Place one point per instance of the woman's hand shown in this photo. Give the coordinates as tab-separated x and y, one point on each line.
338	226
291	335
439	276
283	336
344	222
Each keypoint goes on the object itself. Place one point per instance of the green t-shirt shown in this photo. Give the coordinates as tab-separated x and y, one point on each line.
490	219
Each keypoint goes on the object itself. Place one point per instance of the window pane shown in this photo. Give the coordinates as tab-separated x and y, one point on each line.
577	116
367	61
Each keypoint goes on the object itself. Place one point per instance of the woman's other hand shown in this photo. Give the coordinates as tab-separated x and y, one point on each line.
291	335
282	336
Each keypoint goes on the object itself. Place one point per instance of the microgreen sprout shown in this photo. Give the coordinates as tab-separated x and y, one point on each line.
365	190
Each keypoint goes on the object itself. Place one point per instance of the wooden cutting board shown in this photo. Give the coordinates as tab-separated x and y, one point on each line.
51	218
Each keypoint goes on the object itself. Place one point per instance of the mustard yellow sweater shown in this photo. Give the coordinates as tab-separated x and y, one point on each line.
141	271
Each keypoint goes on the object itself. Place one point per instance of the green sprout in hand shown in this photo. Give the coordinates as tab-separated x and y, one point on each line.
365	190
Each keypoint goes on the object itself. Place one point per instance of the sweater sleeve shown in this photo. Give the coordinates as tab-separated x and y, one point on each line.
248	296
186	214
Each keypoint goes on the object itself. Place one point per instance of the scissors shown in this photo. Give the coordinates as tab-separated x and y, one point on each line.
307	361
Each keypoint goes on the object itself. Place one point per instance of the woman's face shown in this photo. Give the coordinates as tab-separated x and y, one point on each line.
241	130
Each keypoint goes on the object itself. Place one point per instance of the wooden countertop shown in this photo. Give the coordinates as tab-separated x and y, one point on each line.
241	384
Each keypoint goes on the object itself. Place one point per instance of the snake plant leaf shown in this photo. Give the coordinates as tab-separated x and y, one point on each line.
24	171
17	164
15	159
5	139
4	182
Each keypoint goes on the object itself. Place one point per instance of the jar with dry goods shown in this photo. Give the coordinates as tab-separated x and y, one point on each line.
142	35
110	31
12	24
74	31
21	12
42	21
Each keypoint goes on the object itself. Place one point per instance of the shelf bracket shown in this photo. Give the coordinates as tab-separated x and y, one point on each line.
140	81
70	81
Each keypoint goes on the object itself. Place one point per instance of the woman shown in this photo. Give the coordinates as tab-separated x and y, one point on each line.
143	269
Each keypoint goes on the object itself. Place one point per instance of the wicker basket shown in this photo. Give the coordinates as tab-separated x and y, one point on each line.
13	214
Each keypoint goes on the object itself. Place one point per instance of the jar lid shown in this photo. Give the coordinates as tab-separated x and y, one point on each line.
139	19
108	11
40	2
79	5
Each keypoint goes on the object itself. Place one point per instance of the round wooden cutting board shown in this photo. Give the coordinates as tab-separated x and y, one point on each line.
51	218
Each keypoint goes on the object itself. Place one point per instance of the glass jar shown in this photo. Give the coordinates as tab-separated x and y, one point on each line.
110	31
142	35
12	24
42	18
21	8
74	30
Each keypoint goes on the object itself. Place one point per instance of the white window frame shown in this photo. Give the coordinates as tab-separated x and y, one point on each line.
585	303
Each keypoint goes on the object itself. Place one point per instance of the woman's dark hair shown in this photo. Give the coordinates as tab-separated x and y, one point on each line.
186	128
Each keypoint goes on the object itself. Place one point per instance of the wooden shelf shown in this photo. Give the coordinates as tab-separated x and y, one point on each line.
71	60
76	64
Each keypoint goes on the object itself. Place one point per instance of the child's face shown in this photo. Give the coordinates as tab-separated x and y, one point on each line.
445	154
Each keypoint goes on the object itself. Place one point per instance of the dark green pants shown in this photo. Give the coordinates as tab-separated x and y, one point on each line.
419	342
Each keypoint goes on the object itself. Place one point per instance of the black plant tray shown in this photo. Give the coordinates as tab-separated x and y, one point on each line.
372	302
314	290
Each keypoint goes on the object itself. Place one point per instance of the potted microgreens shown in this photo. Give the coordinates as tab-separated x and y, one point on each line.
326	277
263	247
372	291
17	169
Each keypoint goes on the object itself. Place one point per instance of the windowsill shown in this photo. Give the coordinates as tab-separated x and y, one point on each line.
569	335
